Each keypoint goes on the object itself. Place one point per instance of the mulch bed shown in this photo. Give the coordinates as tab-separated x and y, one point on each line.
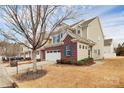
30	75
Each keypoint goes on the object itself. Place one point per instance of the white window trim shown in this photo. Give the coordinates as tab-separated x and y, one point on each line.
67	50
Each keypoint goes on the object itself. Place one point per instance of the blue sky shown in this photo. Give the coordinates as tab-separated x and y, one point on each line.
111	17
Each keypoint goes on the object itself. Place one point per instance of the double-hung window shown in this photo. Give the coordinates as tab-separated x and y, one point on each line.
58	38
78	31
61	35
68	51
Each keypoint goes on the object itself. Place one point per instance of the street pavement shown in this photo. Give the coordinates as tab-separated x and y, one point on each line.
5	80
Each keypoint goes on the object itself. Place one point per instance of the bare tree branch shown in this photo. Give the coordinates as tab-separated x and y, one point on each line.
34	24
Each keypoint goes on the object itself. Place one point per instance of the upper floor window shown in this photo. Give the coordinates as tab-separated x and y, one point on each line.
78	31
56	39
61	35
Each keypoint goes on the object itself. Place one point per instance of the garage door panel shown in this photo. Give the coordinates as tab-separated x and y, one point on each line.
53	55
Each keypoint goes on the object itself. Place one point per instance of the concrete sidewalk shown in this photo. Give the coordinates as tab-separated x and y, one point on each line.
5	81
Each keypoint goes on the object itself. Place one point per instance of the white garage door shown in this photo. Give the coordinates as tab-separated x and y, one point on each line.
53	55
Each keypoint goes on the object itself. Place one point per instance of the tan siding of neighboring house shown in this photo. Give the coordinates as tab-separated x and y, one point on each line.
109	51
26	52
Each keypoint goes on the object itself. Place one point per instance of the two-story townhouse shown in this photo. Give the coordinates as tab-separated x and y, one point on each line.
70	48
80	40
25	52
75	42
91	30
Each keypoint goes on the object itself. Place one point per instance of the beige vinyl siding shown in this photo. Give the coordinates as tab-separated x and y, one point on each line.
84	32
82	53
94	33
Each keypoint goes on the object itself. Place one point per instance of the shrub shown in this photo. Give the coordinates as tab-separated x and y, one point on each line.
38	60
91	59
28	58
85	61
58	61
62	61
19	58
81	62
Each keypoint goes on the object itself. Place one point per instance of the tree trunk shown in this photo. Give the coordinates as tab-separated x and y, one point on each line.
34	60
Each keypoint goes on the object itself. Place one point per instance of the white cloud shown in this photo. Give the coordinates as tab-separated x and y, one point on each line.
114	25
96	11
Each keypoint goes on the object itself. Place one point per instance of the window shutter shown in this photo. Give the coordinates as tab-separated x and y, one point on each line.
71	50
71	54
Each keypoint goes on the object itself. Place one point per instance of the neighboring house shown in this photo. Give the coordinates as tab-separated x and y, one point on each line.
26	52
1	54
109	49
75	42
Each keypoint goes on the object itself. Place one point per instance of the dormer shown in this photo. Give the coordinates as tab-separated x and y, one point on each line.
81	31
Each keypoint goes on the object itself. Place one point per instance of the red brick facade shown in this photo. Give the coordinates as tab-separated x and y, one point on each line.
73	58
67	41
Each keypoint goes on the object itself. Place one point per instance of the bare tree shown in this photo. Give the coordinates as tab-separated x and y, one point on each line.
31	23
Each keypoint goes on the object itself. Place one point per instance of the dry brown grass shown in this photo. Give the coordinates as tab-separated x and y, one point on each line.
108	74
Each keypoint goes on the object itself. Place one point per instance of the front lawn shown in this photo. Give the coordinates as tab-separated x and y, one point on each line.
108	73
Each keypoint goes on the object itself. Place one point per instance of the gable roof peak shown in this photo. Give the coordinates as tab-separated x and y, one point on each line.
84	22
